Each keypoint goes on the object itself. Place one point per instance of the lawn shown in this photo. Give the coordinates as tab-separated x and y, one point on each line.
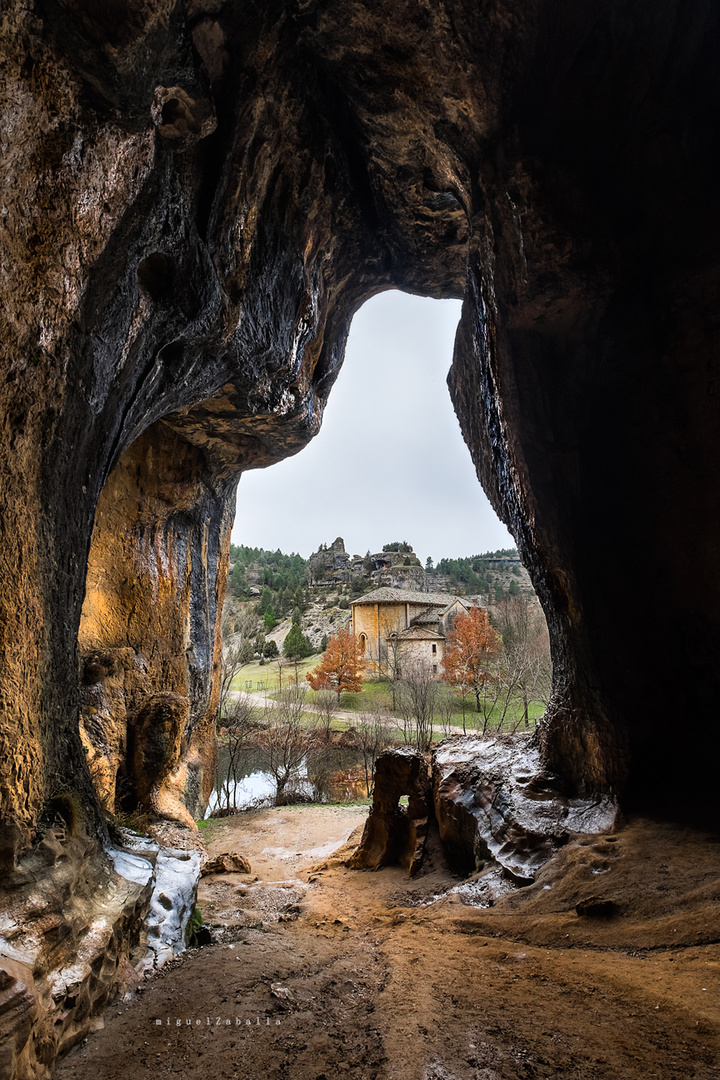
380	694
269	677
256	678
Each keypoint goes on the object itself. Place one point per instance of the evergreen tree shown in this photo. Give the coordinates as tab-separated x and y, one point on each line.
296	646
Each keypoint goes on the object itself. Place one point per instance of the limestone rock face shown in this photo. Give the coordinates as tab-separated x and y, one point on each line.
69	926
392	834
331	565
196	200
493	799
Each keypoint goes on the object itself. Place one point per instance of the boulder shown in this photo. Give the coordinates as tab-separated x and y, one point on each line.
494	800
392	834
230	862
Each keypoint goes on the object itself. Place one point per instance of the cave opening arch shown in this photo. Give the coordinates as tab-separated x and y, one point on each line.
150	630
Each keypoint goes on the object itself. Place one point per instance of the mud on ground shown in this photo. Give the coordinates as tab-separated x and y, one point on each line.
320	972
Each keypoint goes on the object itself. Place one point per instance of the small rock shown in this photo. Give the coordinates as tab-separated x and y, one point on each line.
230	862
282	993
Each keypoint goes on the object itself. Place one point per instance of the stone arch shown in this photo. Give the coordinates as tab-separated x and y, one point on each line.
557	170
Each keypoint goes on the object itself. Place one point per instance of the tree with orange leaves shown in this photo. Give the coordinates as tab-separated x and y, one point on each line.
340	667
471	652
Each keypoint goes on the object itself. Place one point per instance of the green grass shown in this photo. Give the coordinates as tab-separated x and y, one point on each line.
269	675
373	694
380	694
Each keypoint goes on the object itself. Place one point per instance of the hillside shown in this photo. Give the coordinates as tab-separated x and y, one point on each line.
269	588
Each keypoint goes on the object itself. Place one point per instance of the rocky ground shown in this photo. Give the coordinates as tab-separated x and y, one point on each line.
321	972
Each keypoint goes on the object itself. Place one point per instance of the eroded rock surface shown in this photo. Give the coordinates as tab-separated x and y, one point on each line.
197	197
392	833
77	926
494	799
197	201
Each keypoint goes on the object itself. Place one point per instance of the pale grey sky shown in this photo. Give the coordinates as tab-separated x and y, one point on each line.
389	462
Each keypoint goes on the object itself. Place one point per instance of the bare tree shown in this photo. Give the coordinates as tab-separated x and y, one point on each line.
445	708
391	664
286	740
325	702
372	736
417	701
241	723
235	655
526	666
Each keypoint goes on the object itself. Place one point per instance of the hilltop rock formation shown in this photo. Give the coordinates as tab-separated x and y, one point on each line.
196	199
397	569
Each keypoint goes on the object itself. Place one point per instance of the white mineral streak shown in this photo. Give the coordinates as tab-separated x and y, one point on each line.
520	817
174	876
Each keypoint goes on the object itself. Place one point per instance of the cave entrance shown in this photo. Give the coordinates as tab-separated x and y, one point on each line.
389	465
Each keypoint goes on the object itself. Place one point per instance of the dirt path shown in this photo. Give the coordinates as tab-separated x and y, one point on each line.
363	978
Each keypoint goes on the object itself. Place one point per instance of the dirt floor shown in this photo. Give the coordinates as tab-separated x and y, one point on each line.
321	972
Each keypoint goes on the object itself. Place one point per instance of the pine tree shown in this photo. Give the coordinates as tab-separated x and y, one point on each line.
296	646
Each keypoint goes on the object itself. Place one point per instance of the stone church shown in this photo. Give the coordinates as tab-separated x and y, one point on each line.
399	628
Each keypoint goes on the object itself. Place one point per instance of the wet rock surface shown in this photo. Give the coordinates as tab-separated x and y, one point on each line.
494	799
78	925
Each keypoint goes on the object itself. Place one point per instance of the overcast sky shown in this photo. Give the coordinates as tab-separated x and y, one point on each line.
389	462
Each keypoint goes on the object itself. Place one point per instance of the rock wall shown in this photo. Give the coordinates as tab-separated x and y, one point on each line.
198	197
73	933
149	632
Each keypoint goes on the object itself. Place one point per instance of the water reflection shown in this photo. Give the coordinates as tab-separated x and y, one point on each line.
335	774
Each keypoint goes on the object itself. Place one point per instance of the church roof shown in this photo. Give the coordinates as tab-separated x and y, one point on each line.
406	596
419	633
425	617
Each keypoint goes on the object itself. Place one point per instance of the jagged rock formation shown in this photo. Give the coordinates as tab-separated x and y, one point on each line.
494	800
392	834
333	566
198	197
80	925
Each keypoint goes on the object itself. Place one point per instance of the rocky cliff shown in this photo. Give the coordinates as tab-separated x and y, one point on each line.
398	569
197	196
